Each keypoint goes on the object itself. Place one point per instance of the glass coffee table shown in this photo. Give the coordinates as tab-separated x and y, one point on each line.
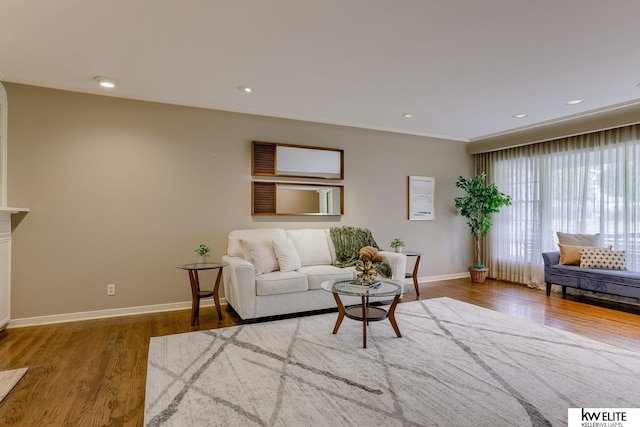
364	312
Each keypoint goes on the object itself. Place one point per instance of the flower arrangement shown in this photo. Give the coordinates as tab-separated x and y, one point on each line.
366	272
202	250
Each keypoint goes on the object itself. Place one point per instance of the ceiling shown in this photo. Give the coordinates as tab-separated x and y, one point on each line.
463	68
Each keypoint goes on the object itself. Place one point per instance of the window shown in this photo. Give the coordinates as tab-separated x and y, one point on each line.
583	184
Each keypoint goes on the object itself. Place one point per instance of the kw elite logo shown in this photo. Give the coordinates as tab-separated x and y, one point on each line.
604	417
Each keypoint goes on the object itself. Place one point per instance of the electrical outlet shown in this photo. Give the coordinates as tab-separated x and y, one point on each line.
111	289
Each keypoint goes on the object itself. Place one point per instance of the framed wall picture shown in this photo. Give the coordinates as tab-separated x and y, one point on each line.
421	196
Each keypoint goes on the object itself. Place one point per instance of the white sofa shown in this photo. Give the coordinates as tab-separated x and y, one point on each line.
272	285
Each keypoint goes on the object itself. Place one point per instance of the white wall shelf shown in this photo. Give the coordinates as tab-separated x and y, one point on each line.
13	210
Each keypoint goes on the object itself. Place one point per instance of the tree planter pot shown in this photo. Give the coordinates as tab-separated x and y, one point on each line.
478	275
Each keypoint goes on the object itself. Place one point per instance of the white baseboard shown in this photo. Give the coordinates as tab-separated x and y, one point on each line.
145	309
102	314
425	279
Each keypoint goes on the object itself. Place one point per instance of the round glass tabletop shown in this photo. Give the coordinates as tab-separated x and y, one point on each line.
201	266
382	288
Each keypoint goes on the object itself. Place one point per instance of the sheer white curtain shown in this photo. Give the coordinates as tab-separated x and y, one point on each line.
583	184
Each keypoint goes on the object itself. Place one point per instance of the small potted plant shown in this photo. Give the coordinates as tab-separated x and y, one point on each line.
203	252
397	244
479	203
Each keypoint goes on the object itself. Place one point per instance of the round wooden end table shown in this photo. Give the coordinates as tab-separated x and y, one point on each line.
196	293
416	266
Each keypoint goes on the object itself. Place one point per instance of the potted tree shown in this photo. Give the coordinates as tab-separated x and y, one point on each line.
477	206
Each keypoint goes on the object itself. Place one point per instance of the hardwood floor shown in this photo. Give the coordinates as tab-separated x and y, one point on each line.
93	373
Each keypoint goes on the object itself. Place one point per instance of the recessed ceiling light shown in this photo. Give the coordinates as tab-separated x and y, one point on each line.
519	116
574	102
408	115
105	82
246	89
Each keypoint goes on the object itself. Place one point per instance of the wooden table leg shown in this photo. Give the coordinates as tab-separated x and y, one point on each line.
364	322
216	297
340	313
195	300
415	275
392	317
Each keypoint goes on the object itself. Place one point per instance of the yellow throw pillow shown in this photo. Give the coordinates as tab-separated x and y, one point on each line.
570	255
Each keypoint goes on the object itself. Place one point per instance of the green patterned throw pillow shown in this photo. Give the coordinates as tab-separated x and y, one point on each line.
604	259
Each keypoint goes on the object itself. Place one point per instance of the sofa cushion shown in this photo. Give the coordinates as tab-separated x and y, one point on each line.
312	246
321	273
592	278
279	282
604	259
286	254
578	239
233	242
260	253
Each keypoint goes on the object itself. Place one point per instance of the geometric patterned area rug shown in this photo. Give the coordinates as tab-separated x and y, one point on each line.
456	365
9	379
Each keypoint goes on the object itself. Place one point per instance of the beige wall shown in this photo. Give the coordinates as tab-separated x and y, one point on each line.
122	191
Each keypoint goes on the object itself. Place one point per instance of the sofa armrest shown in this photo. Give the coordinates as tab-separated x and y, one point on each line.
398	263
239	285
551	258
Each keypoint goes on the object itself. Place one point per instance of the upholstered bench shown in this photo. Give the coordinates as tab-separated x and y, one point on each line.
616	282
583	262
